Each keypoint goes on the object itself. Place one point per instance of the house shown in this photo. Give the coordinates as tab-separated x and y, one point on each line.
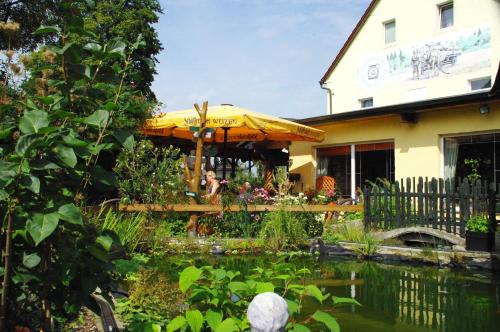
414	91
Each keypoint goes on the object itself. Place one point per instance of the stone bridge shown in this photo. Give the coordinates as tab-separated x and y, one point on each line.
422	235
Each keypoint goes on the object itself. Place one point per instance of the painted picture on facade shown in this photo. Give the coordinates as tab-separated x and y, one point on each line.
453	53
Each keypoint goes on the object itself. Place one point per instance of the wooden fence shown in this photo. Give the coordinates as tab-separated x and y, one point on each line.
440	204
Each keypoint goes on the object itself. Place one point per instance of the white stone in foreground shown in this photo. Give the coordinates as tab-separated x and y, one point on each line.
268	312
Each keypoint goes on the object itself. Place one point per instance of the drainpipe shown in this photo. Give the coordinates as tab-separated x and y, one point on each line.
330	95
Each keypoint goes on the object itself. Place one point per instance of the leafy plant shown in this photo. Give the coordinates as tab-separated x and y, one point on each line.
149	174
368	247
128	227
57	136
478	223
282	229
218	299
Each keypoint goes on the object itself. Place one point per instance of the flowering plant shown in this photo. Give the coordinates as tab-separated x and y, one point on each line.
325	197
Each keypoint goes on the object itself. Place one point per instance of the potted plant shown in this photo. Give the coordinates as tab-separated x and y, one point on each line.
478	236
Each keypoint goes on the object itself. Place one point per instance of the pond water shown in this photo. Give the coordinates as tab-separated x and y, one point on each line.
399	298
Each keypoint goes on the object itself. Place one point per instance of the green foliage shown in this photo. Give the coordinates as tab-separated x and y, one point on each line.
73	113
368	247
128	227
129	20
478	223
149	174
218	298
283	230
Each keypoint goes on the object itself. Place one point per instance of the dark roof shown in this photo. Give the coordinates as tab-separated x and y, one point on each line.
413	107
349	40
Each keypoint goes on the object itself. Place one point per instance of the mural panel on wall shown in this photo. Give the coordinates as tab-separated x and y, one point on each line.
450	54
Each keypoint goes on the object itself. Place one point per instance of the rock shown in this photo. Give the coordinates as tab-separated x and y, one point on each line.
317	246
217	250
268	312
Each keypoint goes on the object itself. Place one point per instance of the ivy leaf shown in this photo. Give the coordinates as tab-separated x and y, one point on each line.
43	29
314	291
176	324
31	260
116	46
103	177
93	47
32	183
237	287
66	154
187	277
24	144
338	301
4	133
293	307
105	241
71	140
262	287
300	328
43	164
195	320
99	118
32	121
326	319
151	327
70	213
40	226
124	137
213	318
228	325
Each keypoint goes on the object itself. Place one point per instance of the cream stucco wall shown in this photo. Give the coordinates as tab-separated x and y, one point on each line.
416	21
417	146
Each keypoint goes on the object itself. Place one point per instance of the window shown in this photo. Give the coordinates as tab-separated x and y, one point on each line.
390	32
446	15
480	83
367	102
372	161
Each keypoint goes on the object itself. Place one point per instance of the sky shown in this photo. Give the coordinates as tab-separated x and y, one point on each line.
263	55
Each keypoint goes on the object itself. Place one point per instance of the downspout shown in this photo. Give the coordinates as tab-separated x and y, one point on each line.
330	95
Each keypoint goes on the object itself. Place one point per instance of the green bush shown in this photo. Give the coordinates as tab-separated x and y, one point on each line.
283	230
218	298
150	174
478	223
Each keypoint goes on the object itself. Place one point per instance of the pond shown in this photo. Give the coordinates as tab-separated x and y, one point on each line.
394	297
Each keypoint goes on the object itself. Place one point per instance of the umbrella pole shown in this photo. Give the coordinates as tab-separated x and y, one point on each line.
224	155
194	184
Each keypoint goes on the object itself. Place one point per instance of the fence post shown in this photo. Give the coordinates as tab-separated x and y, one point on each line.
398	209
492	207
366	203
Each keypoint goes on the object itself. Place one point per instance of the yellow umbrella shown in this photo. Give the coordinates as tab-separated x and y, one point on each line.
239	124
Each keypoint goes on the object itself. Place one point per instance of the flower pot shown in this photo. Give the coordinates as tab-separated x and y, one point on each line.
477	241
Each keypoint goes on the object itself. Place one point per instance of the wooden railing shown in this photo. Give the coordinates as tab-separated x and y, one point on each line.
436	203
235	208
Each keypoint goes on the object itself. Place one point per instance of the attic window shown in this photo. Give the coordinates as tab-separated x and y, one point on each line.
390	31
446	15
366	102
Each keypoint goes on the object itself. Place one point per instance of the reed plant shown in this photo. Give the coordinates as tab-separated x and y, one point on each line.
129	227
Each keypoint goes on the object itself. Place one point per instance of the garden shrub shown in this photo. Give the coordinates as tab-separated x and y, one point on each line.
150	174
283	230
59	132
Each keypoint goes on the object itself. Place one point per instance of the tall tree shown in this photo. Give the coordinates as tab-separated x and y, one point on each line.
30	14
127	19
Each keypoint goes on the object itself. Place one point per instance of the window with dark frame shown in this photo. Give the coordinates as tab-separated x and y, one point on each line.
367	102
446	15
480	83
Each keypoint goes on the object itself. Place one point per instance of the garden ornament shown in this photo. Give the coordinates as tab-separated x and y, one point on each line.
268	312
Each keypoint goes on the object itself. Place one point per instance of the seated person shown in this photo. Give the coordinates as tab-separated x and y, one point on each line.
212	187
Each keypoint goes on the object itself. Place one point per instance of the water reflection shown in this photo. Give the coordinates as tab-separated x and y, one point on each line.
399	298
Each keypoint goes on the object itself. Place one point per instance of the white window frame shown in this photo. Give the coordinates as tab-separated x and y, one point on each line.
440	8
384	24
